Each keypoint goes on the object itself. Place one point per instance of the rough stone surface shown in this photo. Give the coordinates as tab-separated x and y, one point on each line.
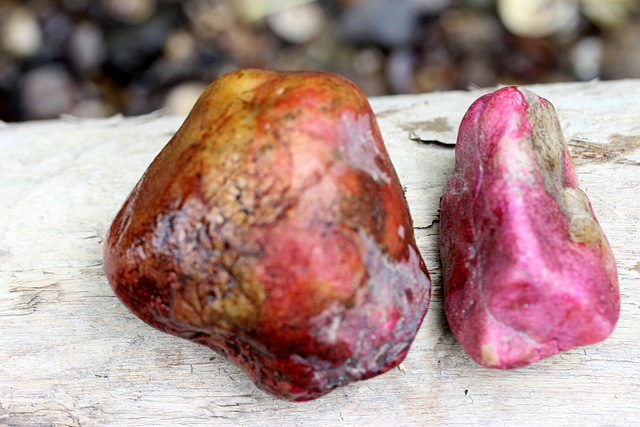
273	229
527	270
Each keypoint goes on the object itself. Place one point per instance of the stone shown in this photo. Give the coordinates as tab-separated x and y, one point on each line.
181	98
389	23
586	58
47	92
130	11
539	18
86	47
527	269
273	229
607	13
20	33
298	24
180	46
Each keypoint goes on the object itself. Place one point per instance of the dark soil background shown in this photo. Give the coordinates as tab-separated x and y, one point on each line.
96	58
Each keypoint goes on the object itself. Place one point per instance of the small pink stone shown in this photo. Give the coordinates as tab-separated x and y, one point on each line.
527	270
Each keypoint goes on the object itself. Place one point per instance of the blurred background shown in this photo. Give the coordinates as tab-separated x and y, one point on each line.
96	58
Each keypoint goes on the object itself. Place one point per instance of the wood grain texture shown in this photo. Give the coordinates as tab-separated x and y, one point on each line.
71	353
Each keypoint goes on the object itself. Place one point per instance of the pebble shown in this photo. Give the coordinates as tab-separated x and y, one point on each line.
390	23
130	11
431	7
608	13
368	61
248	48
93	108
209	18
399	71
180	46
47	92
253	11
86	47
56	30
21	34
165	73
182	97
586	58
298	24
539	18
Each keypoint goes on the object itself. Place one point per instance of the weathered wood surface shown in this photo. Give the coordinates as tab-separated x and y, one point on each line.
71	354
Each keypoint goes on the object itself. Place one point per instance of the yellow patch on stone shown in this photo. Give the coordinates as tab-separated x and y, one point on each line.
489	355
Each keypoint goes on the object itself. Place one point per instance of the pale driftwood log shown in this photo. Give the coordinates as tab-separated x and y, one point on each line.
71	353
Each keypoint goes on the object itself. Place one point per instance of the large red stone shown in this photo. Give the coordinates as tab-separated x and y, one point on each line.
273	229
